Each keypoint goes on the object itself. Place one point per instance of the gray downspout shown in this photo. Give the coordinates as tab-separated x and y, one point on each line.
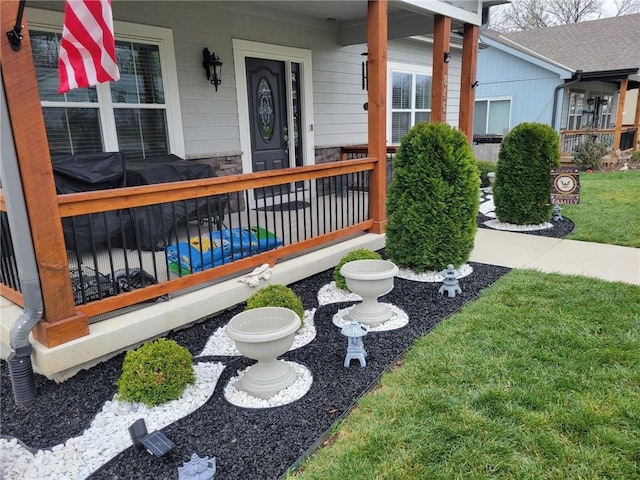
20	367
577	79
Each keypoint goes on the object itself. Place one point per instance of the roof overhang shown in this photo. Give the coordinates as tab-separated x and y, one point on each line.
611	76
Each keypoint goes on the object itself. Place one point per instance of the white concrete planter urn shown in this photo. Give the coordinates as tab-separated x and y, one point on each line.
263	334
370	279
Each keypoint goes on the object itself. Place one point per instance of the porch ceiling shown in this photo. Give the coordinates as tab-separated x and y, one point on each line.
406	19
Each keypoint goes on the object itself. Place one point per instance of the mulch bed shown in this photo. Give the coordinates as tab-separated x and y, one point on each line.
247	443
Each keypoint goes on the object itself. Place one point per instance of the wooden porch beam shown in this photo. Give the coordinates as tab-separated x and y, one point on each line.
62	321
377	110
469	69
622	96
439	92
636	122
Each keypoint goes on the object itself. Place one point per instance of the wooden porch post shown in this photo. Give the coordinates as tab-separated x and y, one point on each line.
441	36
377	111
636	122
622	96
469	68
62	322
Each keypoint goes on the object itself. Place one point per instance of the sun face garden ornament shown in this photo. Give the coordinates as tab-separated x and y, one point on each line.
355	346
450	282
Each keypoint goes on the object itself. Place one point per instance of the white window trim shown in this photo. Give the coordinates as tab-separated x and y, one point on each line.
246	48
496	99
578	114
163	37
395	67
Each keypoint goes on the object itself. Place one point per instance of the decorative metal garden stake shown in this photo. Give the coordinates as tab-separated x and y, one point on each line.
198	468
450	282
355	346
557	216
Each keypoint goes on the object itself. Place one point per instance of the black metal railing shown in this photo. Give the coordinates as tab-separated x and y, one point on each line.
9	274
626	139
119	251
571	140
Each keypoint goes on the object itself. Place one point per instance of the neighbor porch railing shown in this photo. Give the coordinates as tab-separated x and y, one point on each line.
324	203
570	140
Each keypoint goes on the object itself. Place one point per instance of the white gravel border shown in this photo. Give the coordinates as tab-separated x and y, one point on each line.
512	227
433	277
398	319
298	389
107	436
330	293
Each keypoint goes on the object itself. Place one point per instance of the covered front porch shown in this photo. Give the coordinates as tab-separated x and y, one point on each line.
336	196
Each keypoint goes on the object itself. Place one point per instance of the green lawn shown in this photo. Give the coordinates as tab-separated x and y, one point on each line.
537	379
609	210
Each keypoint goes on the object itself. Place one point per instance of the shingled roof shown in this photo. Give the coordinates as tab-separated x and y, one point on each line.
606	44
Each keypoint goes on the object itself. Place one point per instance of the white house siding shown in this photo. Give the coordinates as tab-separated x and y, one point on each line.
419	52
210	118
530	87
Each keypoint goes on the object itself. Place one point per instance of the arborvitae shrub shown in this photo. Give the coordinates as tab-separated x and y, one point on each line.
433	199
359	254
155	373
522	186
276	296
485	166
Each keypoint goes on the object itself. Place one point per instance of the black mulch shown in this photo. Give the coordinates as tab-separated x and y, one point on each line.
247	443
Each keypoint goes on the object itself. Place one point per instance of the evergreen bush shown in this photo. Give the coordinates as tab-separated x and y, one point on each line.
433	199
522	187
155	373
276	296
359	254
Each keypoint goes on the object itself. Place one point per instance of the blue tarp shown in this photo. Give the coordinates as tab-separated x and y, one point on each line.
219	247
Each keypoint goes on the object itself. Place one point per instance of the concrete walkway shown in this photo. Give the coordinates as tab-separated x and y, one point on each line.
554	255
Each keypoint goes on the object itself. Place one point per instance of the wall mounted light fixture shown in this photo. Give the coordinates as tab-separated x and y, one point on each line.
213	66
447	57
365	71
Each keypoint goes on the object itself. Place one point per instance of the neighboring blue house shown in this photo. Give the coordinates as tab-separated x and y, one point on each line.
573	77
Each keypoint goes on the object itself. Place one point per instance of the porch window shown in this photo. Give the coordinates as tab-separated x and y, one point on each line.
137	115
576	106
491	116
410	101
605	107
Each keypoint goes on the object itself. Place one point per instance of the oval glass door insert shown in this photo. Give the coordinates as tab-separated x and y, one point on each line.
264	106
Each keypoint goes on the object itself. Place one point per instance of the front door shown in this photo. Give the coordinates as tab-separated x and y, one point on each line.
266	90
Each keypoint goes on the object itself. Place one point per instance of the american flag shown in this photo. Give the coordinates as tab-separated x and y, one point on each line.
87	50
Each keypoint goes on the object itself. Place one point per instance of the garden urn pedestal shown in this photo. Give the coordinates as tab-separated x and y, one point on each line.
370	279
263	334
